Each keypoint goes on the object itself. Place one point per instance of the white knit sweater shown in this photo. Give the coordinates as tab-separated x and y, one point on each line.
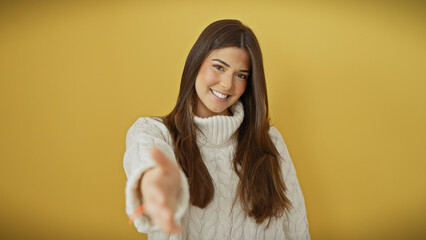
216	221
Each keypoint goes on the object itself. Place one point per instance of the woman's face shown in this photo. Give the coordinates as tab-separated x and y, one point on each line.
221	81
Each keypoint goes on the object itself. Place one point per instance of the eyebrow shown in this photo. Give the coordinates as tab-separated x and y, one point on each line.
224	63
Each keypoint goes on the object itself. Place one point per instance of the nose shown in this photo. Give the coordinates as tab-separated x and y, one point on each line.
226	82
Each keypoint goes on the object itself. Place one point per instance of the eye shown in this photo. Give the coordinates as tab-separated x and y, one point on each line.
242	76
218	67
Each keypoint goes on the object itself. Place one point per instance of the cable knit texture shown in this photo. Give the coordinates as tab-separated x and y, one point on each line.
218	220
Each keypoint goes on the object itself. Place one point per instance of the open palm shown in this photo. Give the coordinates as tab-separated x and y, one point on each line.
160	187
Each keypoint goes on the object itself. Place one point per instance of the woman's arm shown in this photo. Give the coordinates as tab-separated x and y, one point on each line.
295	223
144	135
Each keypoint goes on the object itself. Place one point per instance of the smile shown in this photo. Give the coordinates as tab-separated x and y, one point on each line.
218	94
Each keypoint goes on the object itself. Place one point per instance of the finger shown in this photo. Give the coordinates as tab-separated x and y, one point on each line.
161	159
173	226
158	217
163	217
169	225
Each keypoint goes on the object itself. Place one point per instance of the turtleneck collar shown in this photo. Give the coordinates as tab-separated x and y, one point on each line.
219	129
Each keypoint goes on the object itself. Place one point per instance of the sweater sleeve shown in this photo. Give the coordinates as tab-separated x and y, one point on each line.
295	222
142	136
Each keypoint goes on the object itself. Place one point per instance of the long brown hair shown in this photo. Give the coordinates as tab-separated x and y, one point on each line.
261	188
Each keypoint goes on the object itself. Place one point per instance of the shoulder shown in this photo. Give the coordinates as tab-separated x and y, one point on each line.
148	122
149	126
276	136
279	142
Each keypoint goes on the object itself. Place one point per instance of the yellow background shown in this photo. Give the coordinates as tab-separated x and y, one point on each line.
347	89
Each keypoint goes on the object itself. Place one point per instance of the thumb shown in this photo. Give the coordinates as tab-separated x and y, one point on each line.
160	158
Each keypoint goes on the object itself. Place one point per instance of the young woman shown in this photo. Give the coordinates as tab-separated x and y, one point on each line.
214	168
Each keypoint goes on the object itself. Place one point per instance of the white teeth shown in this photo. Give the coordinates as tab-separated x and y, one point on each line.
219	95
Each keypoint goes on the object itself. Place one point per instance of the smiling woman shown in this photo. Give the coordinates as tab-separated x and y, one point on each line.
221	81
214	168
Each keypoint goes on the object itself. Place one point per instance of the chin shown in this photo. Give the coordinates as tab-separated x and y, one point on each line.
217	111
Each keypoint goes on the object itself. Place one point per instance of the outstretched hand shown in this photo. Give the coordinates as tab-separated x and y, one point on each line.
160	186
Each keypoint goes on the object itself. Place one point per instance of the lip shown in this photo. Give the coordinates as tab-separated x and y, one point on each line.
218	98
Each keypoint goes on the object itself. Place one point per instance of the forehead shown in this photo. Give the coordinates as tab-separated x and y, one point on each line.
236	57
